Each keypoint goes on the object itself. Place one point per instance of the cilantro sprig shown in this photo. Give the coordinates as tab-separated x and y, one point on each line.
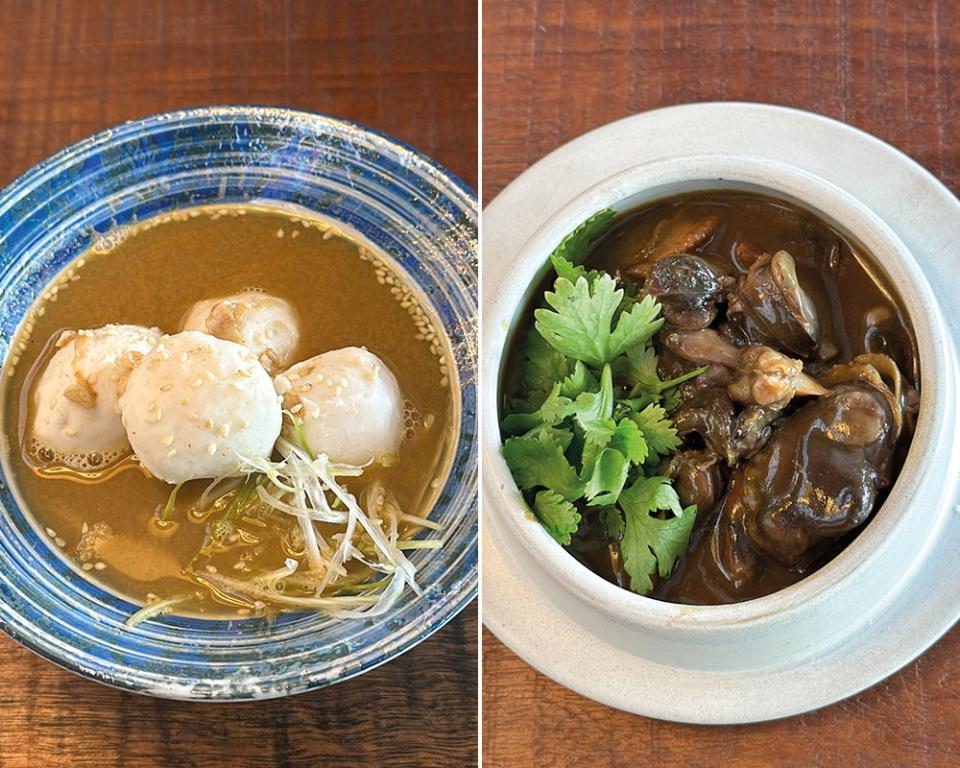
588	427
579	324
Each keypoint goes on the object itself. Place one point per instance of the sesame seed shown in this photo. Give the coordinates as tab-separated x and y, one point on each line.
185	401
210	376
297	408
212	448
279	233
60	542
51	533
270	334
208	424
315	414
224	430
151	406
165	355
196	383
70	432
87	566
171	453
168	440
100	565
183	357
166	387
244	424
338	391
211	569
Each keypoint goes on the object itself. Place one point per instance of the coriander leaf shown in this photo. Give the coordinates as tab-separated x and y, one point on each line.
593	412
580	324
562	437
652	544
591	407
553	410
569	255
651	494
543	366
638	365
518	423
657	429
569	271
581	380
607	479
628	439
537	461
557	515
636	326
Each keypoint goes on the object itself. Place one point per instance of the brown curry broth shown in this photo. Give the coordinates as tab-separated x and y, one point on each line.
843	294
150	278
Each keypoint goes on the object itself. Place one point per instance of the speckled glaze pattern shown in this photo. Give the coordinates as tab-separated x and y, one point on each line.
404	205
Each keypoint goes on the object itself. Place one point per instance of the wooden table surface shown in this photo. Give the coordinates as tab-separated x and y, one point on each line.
68	69
554	69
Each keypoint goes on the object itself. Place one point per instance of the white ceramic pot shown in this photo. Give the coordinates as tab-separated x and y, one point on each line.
790	629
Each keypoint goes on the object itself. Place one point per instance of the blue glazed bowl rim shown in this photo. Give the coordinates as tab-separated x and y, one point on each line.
131	127
23	184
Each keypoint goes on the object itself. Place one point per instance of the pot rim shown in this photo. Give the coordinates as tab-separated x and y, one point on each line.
623	191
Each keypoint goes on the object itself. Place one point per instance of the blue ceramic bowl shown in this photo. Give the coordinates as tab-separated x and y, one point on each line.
408	206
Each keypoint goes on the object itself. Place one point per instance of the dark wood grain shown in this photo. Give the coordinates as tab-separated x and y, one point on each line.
68	69
552	70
